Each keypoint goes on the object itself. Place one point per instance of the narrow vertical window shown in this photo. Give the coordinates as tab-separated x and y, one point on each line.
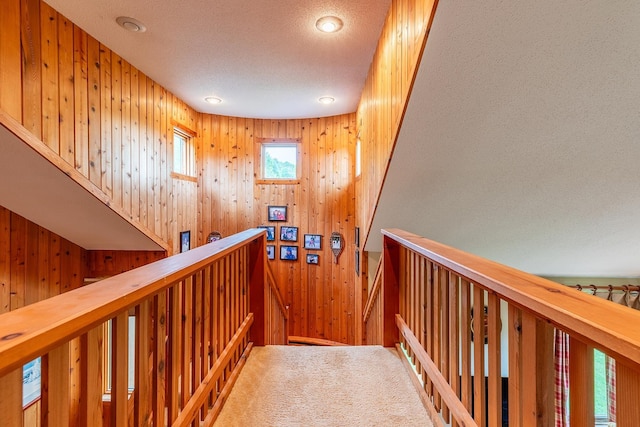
184	156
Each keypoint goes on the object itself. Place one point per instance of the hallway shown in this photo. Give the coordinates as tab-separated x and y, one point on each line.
323	386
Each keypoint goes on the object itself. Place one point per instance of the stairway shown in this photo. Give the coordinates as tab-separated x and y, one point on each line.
288	386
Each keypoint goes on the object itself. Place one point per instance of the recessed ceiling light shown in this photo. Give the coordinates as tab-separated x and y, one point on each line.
131	24
213	100
326	100
329	24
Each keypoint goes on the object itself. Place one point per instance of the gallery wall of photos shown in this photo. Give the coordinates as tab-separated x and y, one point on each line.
283	242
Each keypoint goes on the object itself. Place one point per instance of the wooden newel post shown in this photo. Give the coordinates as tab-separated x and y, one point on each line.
257	283
391	291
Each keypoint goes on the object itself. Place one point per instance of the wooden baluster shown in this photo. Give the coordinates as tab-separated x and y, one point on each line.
454	336
545	375
581	383
55	387
11	398
91	380
627	391
174	351
160	359
187	338
515	366
429	320
391	291
119	370
437	329
479	395
465	334
445	341
494	354
142	391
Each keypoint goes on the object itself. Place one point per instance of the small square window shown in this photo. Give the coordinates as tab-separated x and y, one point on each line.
279	161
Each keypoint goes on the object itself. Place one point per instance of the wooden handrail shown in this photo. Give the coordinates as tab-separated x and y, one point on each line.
271	282
377	285
37	328
595	321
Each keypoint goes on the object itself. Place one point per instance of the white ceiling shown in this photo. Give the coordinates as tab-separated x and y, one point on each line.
265	59
522	137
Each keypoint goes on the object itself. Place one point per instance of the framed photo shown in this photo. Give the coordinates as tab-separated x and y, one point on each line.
289	234
289	253
185	241
271	252
277	213
357	261
271	232
312	241
313	259
357	237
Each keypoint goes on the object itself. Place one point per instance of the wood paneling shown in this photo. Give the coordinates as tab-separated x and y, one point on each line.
385	95
34	263
321	297
98	113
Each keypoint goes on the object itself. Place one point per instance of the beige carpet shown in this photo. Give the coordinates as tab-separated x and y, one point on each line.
323	386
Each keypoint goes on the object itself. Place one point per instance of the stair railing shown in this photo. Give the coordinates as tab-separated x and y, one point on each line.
194	315
457	316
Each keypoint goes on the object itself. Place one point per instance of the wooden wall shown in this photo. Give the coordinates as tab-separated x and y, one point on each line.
97	112
35	263
385	96
322	297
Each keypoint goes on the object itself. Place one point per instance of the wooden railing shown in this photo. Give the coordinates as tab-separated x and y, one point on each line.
373	310
277	313
195	313
458	316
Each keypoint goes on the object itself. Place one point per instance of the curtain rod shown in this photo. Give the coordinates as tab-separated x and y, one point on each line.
594	288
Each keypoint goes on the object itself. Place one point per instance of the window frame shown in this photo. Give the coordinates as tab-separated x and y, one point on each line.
190	174
261	143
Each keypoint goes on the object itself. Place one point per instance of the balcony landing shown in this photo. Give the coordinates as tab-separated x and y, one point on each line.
323	386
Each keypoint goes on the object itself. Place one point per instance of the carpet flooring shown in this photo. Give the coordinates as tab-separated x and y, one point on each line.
290	386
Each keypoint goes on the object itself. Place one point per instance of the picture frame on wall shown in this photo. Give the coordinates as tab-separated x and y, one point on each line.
271	252
289	234
277	213
313	241
185	241
357	262
289	253
271	232
313	259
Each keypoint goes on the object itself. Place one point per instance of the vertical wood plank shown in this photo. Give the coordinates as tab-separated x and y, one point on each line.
142	391
55	390
10	64
5	260
581	383
529	365
159	359
81	100
31	67
11	398
465	341
66	81
50	104
94	101
119	369
627	389
515	366
494	355
91	380
479	395
454	335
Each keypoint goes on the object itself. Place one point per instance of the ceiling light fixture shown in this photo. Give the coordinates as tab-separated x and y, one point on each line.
213	100
329	24
326	100
131	24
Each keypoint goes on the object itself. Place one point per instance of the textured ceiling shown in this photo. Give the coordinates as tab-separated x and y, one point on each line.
522	137
265	59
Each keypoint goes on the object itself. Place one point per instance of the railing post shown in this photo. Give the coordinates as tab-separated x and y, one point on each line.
257	283
391	291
